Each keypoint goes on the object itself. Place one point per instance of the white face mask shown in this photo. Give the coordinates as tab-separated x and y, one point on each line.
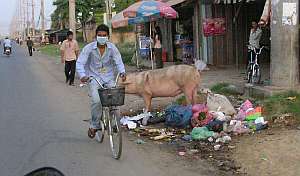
102	40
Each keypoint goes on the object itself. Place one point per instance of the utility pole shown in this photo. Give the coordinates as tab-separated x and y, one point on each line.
27	18
32	18
109	15
43	19
72	20
24	18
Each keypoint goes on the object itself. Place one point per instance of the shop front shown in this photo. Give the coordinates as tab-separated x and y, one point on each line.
226	29
181	36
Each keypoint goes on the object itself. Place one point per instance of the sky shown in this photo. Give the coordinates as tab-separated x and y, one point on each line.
8	9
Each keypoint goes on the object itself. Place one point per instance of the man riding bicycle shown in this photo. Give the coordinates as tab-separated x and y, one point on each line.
99	59
6	44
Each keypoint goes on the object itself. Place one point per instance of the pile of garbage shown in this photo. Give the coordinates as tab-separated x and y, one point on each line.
215	121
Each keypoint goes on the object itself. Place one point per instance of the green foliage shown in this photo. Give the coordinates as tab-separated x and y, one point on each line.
60	16
54	50
84	11
288	102
50	50
181	100
127	50
122	4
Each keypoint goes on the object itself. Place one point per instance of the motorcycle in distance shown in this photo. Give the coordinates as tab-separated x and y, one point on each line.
45	171
7	51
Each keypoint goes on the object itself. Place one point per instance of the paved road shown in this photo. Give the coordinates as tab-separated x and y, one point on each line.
41	124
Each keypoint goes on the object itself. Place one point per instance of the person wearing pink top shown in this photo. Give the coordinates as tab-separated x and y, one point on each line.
69	54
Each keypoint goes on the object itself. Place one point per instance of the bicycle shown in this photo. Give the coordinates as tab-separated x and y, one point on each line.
253	69
111	98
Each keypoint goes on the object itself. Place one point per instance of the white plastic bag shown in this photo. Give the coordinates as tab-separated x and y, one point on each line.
217	102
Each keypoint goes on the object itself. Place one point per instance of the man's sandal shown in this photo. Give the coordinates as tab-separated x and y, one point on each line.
92	132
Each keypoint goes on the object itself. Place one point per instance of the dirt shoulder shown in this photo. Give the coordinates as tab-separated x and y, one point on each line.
273	152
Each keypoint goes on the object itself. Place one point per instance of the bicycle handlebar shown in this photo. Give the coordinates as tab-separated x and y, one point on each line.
98	82
254	50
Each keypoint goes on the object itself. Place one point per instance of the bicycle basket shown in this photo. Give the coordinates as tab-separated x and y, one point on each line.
112	96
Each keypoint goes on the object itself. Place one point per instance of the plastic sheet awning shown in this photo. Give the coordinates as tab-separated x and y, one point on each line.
224	1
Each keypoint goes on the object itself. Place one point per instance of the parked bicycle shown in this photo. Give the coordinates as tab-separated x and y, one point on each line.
253	68
111	98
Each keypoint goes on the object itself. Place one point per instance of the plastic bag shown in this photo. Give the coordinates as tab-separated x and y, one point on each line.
201	116
178	116
217	102
201	133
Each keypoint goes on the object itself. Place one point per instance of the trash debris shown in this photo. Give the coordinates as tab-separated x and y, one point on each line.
125	121
201	116
211	139
131	122
217	147
181	153
238	127
158	117
286	119
178	116
260	120
154	130
253	114
160	137
201	133
220	116
243	110
139	141
193	151
223	139
215	101
260	126
187	138
291	98
231	146
215	125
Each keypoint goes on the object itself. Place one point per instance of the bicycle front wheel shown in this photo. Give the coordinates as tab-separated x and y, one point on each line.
115	135
256	77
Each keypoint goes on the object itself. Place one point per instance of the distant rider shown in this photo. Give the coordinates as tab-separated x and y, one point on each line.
6	44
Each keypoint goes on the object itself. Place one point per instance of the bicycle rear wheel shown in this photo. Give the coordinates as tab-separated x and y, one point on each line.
115	135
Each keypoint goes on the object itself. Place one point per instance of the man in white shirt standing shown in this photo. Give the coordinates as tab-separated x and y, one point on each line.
69	54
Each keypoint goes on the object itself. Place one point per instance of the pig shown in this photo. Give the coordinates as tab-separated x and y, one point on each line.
165	82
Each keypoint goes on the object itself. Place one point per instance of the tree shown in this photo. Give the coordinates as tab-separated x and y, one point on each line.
60	16
85	11
122	4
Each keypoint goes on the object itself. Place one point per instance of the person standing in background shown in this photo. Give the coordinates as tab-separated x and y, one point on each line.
29	46
158	48
69	54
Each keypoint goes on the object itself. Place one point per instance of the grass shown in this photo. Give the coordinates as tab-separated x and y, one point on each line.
288	102
224	89
50	50
126	49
